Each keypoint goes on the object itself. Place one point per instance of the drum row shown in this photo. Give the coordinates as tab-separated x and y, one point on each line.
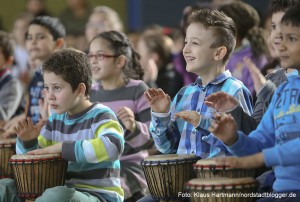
33	174
175	177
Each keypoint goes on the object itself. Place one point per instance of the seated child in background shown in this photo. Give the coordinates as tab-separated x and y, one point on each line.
11	89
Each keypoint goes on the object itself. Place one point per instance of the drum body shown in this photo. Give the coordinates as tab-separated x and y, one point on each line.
208	168
222	189
7	149
166	175
36	173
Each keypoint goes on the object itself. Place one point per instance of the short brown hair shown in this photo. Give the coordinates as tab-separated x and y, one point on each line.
222	26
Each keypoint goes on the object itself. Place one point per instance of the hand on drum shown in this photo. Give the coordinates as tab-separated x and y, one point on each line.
246	162
221	102
53	149
26	130
190	116
159	101
224	128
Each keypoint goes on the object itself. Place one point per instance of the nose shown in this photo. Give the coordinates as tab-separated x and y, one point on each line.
50	95
282	45
186	48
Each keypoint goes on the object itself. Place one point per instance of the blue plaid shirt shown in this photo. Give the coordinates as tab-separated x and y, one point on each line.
177	136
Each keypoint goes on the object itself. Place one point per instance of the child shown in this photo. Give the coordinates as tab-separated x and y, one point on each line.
87	134
116	68
277	136
11	90
250	41
44	36
210	39
156	53
226	103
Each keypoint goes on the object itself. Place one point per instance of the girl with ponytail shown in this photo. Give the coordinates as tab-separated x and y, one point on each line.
117	74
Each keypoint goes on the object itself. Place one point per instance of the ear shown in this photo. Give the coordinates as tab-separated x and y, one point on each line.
220	53
81	89
121	61
155	57
60	42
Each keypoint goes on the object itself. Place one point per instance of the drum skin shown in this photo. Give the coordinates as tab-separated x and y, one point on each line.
208	168
36	173
7	149
221	189
166	175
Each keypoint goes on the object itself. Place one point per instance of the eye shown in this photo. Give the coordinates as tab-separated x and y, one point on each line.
273	27
292	39
56	88
46	88
100	56
28	37
40	37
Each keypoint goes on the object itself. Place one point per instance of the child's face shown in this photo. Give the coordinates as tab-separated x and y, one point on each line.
198	54
39	42
97	23
59	94
2	60
276	35
290	47
102	61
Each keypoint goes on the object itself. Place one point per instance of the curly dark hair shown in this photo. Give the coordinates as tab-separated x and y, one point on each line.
72	65
247	22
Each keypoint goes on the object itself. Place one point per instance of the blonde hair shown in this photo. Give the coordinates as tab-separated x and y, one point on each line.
110	15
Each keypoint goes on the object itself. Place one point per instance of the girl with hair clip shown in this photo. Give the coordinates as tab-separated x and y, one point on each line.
250	41
118	73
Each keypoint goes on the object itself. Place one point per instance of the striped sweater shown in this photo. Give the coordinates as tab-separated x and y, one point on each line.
92	143
136	143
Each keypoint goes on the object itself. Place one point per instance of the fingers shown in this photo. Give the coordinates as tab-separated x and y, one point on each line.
152	92
37	152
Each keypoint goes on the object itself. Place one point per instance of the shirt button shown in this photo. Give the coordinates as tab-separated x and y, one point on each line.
193	152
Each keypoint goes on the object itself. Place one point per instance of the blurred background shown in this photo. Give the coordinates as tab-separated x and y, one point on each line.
135	14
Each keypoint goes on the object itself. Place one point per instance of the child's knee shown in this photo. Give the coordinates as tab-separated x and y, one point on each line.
59	193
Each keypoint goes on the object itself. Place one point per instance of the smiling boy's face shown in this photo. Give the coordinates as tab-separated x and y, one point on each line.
289	49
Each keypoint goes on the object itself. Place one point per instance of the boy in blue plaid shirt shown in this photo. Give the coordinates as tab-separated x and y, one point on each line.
182	126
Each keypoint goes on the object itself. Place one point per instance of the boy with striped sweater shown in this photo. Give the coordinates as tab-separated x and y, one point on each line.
87	134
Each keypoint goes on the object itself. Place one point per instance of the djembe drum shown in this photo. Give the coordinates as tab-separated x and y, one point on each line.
208	168
7	149
36	173
222	189
166	175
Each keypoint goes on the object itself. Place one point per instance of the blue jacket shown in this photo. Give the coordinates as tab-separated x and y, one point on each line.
277	136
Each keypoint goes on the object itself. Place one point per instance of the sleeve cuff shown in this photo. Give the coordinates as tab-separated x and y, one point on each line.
28	144
270	158
266	89
161	115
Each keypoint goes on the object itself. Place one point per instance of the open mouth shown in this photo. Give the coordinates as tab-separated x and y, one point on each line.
189	58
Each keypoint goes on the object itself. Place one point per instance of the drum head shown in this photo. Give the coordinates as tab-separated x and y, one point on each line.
207	164
32	158
166	157
7	142
222	183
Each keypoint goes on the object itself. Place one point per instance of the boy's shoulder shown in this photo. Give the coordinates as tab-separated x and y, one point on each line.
95	111
232	85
